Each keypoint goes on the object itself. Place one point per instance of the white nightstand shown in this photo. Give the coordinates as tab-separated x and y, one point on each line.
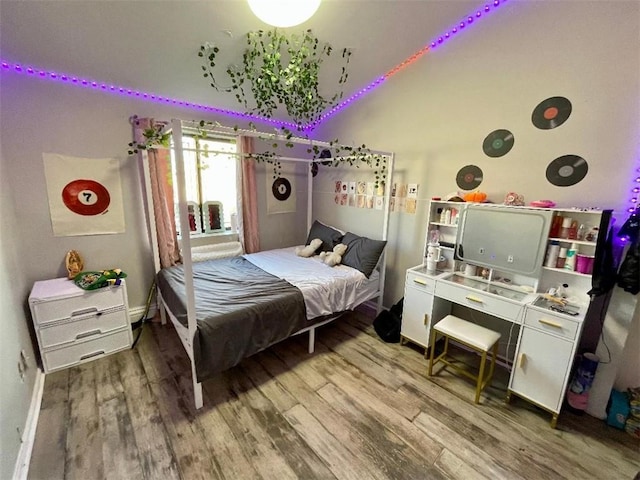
74	326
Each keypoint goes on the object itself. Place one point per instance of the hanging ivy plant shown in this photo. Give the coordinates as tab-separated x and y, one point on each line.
278	70
153	137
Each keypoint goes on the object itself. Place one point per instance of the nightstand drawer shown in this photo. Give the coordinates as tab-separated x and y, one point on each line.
78	305
551	323
84	327
88	350
420	282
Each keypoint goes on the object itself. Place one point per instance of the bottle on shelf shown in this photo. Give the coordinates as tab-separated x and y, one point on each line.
592	235
582	231
447	216
573	230
561	291
454	216
556	225
570	262
562	257
552	254
566	226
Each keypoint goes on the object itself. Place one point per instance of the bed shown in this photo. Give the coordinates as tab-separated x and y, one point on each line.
227	309
247	303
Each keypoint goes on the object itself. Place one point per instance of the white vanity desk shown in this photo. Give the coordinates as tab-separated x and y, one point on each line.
546	342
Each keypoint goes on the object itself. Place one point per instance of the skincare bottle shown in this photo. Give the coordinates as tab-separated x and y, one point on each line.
556	225
582	231
570	262
552	254
561	291
447	216
566	226
573	230
562	257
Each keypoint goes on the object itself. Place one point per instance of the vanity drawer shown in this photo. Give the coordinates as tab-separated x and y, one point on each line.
69	331
77	353
77	305
551	323
481	301
420	282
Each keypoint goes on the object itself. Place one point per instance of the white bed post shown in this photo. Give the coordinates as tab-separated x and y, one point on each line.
312	331
385	229
176	127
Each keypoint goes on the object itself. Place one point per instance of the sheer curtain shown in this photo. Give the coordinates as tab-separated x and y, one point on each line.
162	196
247	198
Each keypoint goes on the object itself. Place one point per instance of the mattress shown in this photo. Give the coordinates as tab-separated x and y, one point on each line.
325	289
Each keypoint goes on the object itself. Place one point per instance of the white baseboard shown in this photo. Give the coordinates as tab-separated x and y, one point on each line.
29	433
135	313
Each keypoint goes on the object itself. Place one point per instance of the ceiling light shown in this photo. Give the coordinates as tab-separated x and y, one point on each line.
284	13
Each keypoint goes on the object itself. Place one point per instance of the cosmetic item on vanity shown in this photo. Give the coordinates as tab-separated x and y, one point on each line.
562	257
552	254
573	230
556	225
570	262
447	216
566	226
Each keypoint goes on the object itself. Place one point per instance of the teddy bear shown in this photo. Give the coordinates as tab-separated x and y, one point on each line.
310	249
334	258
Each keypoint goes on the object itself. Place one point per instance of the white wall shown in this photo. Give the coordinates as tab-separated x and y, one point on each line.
15	394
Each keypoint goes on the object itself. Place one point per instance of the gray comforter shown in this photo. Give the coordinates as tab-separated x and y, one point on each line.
240	310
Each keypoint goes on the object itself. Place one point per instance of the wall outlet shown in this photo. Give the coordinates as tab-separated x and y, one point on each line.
510	258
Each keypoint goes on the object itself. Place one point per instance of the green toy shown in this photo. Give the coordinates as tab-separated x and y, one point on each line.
95	280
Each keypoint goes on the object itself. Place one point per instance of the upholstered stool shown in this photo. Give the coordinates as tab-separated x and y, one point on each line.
473	336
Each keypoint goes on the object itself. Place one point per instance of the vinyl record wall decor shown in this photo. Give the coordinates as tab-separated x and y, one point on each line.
564	171
551	113
498	143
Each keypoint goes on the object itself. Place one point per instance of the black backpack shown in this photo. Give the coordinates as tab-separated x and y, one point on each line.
387	324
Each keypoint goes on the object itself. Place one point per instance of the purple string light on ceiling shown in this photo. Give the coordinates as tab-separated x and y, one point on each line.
6	66
478	14
63	78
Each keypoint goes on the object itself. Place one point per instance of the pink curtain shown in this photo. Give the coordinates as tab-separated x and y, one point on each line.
247	200
162	196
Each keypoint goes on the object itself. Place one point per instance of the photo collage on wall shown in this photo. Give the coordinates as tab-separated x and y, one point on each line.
360	194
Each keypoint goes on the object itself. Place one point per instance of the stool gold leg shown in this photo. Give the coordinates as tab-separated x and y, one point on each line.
431	350
554	420
508	398
493	362
480	377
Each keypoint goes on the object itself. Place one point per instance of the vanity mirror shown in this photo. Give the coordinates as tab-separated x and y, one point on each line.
509	239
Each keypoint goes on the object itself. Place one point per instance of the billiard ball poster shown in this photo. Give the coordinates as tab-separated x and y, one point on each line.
85	195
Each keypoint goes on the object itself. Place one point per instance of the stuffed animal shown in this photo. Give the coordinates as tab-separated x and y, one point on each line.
334	258
310	249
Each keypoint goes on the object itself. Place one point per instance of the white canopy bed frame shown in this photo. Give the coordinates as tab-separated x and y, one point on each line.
187	334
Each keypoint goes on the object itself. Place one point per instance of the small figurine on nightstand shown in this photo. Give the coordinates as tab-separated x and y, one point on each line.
74	263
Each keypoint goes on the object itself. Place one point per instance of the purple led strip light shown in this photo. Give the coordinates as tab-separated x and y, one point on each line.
81	82
470	19
635	191
15	67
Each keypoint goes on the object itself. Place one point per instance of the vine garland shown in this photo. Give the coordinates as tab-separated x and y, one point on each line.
276	71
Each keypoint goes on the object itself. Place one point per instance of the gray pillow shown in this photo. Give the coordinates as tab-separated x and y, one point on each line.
362	252
330	236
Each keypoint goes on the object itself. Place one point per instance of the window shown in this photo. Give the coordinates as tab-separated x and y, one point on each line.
210	180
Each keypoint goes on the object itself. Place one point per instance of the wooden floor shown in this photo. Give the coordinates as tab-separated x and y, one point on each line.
356	409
